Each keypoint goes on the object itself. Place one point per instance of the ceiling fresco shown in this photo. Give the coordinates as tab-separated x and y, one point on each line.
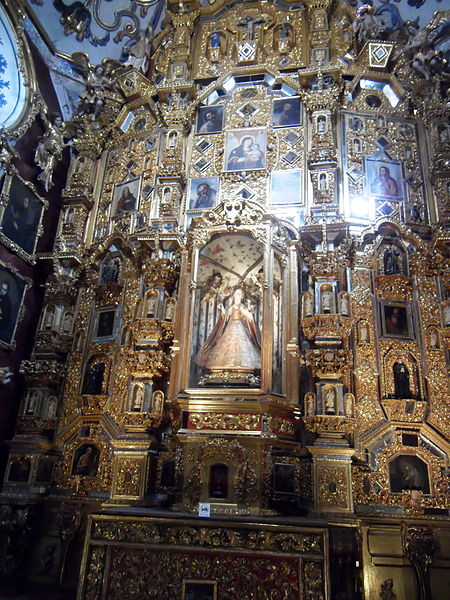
98	27
395	13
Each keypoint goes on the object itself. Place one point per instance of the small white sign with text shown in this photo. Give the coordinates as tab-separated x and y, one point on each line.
204	510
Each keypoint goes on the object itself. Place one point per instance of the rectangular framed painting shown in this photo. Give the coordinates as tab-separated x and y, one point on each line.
284	478
286	112
104	325
195	589
285	188
384	179
12	291
245	150
20	220
396	320
126	198
203	193
209	120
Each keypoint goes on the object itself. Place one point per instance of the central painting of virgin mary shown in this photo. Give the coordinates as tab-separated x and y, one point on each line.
245	150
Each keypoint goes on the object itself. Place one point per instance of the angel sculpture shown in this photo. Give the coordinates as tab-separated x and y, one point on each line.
50	146
366	25
7	150
136	53
98	81
426	48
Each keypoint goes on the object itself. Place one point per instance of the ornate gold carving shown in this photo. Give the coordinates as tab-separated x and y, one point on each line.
333	487
405	411
329	363
394	287
313	579
94	576
230	451
210	536
372	487
127	477
223	421
283	426
421	548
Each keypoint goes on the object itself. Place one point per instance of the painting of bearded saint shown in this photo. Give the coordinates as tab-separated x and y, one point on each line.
234	343
384	180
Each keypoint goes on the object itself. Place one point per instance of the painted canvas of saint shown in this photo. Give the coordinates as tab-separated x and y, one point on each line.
408	472
22	216
203	193
209	119
234	343
125	198
286	112
245	150
395	321
385	179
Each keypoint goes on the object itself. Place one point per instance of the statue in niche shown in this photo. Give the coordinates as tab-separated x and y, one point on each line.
321	124
234	343
151	304
392	259
326	299
348	405
167	195
68	216
250	27
138	398
309	305
158	402
363	332
169	312
93	379
401	380
32	401
67	323
310	409
345	305
172	140
49	316
434	340
323	183
330	401
52	407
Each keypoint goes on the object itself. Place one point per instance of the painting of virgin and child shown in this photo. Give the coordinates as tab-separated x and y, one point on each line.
245	150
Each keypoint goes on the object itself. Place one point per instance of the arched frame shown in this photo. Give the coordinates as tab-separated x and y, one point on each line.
278	253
